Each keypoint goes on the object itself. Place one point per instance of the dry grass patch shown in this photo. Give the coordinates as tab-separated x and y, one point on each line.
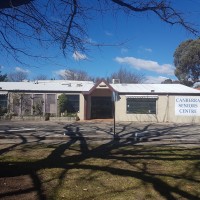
114	171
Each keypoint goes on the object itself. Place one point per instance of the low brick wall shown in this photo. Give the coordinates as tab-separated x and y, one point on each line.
28	118
62	119
39	118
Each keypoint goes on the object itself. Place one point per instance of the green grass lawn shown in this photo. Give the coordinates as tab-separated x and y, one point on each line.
109	171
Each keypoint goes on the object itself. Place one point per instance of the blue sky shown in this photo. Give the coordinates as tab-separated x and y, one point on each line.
147	49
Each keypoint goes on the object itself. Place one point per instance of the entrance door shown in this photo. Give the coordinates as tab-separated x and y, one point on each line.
101	107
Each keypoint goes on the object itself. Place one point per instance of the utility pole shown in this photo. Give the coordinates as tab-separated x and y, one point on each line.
115	98
114	117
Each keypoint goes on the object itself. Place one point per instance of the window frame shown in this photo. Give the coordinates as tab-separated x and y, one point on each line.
75	103
148	103
3	102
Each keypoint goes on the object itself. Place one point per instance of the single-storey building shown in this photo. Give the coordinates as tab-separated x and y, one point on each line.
131	102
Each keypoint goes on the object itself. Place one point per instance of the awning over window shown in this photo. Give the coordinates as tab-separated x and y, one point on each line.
142	96
3	92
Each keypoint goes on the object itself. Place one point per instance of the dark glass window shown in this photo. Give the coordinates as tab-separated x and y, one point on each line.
72	103
3	104
141	105
3	101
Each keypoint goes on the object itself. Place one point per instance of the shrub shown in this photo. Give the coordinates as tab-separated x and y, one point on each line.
62	103
46	116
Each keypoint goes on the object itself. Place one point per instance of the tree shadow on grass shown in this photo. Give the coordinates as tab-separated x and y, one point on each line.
138	162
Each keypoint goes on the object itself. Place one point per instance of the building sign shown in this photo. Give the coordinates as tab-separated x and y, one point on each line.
187	105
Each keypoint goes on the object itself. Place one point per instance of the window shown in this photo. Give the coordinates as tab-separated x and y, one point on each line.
26	104
141	105
72	103
38	104
50	105
3	101
3	104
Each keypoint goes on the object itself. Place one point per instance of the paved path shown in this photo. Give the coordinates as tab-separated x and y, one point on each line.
100	131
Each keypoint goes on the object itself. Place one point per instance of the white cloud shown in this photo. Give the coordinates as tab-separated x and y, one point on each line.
60	72
19	69
148	50
124	50
90	41
108	33
79	56
155	79
144	50
141	64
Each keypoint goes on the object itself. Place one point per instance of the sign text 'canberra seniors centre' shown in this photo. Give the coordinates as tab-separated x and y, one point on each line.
187	105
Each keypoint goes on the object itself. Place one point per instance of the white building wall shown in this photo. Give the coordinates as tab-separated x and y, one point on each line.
81	107
178	118
165	112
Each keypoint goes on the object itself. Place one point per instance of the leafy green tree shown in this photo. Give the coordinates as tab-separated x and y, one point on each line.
170	81
3	77
167	81
187	62
62	103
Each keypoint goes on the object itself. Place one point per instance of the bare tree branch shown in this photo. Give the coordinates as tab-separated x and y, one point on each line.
161	8
72	16
64	23
72	74
13	3
17	76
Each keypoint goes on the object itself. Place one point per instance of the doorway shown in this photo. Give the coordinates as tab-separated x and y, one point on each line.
101	107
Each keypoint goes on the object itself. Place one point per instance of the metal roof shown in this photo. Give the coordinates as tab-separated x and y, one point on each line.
153	88
50	86
85	86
